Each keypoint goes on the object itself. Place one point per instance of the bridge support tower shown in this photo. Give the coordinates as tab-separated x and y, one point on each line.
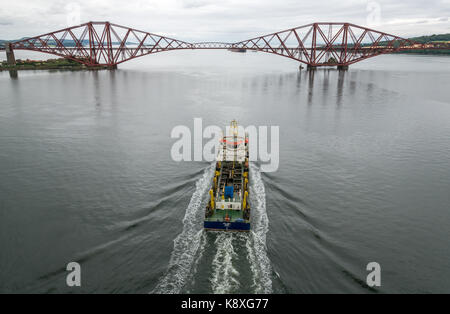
311	67
10	54
342	67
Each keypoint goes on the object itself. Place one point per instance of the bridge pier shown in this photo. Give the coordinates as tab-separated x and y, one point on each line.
13	74
10	54
311	67
342	67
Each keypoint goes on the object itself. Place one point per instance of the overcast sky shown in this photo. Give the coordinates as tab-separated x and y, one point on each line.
223	20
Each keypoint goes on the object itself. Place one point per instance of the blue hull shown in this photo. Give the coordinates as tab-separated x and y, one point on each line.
226	226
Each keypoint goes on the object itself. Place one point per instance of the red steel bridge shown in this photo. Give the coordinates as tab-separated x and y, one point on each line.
317	44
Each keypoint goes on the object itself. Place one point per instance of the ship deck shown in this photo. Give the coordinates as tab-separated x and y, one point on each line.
219	215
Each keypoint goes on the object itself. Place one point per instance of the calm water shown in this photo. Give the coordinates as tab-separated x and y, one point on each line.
364	175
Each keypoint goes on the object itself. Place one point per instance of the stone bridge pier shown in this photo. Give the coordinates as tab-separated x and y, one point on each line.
10	54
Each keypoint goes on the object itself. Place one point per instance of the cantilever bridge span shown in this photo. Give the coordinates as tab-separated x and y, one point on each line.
315	44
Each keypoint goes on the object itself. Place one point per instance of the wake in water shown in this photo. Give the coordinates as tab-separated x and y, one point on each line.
226	265
225	276
187	243
256	243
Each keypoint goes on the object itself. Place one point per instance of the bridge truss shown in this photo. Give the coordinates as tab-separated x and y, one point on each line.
316	44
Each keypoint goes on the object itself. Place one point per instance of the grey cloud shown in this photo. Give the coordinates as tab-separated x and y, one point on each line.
227	20
193	4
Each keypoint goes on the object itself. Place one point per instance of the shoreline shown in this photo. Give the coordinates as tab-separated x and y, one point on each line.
53	68
50	64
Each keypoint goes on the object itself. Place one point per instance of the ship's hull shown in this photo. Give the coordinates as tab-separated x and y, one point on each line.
227	226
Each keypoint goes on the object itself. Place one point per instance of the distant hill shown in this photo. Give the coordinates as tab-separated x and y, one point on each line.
431	38
67	43
421	40
3	42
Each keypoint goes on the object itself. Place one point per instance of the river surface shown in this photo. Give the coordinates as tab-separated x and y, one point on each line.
86	175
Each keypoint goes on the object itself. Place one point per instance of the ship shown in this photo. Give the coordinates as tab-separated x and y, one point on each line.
238	50
228	208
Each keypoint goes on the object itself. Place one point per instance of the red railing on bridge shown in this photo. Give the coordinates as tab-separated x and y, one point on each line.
316	44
